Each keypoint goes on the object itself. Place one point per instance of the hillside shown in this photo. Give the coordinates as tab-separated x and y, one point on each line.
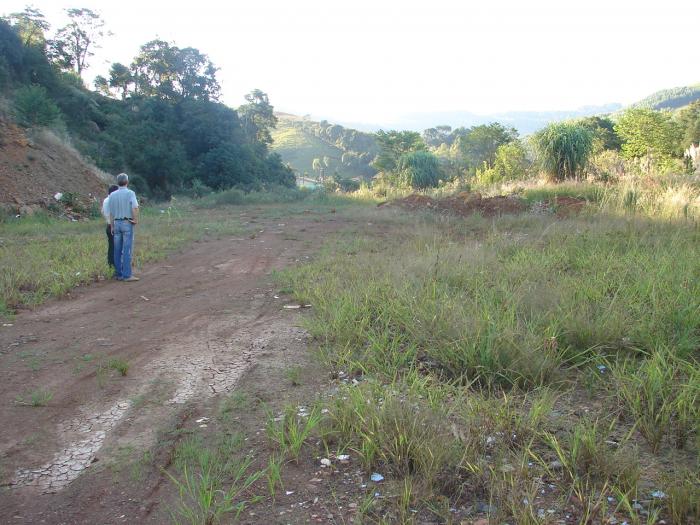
672	98
342	152
299	148
35	166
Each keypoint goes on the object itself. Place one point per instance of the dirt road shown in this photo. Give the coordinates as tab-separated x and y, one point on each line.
189	330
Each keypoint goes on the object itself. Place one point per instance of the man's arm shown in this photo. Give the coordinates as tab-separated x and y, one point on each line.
134	209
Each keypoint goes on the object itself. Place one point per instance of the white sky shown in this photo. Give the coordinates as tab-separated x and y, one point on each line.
373	60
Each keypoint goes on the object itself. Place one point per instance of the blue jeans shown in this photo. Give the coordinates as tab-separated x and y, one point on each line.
123	243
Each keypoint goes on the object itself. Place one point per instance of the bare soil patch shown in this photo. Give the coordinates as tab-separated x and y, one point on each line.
467	203
191	331
34	167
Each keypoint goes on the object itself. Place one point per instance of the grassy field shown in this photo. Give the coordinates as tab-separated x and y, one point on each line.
530	369
532	366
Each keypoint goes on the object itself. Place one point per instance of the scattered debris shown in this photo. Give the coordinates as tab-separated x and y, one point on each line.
145	298
376	477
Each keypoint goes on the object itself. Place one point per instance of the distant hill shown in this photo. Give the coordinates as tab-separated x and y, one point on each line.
526	122
342	151
672	98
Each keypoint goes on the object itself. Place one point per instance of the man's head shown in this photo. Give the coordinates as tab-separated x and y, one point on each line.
112	189
122	179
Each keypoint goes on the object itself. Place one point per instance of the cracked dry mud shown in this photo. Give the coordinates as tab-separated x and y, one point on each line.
212	312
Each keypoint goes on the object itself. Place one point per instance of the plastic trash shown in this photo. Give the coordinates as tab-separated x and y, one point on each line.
376	477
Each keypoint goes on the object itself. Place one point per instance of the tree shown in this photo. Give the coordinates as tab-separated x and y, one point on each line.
649	133
563	149
436	136
31	26
479	145
34	107
604	135
510	163
164	70
689	120
73	44
393	145
258	117
419	169
101	85
120	78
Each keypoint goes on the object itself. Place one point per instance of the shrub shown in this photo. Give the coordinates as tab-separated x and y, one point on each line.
34	107
563	149
510	164
419	169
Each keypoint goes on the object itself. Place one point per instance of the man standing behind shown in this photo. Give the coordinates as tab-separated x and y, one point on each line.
110	237
123	216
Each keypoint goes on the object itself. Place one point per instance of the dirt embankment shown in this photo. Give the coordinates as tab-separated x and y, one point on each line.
467	203
37	164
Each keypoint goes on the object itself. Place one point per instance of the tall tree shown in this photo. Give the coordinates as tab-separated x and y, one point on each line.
258	117
31	26
393	145
479	145
437	135
74	42
120	78
164	70
603	132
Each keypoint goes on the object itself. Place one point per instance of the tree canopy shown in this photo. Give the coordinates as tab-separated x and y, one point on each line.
157	119
647	132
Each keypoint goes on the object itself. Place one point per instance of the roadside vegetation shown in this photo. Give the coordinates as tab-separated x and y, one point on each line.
531	366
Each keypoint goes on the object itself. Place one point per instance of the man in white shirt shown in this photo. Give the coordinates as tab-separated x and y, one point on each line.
110	236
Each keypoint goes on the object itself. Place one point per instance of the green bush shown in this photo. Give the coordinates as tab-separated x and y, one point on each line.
510	164
419	169
35	108
563	149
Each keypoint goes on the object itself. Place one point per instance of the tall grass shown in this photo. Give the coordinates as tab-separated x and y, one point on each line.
513	309
458	332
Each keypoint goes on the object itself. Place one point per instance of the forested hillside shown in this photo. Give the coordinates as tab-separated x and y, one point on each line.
672	98
157	118
324	149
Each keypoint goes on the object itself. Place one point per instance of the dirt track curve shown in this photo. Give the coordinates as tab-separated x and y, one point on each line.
189	330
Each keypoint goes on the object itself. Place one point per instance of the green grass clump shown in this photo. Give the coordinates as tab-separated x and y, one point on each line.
35	398
292	431
120	365
662	395
212	481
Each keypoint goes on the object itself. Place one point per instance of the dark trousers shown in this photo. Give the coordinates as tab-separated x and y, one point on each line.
110	246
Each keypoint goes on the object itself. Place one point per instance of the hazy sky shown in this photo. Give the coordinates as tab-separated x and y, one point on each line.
375	60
